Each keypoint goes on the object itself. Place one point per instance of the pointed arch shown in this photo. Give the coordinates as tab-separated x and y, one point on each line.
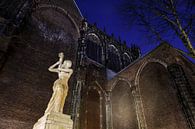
94	49
94	107
123	109
114	59
126	59
153	90
42	6
144	64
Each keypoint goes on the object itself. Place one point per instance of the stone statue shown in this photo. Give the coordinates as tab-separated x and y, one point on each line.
60	87
54	117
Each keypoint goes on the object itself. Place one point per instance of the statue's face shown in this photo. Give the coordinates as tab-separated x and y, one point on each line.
61	54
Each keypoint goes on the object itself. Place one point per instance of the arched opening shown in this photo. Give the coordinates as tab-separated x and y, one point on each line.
160	103
93	110
126	59
94	49
114	61
123	107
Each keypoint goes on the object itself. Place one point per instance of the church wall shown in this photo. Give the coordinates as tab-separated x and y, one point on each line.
154	77
189	69
99	47
160	103
14	123
68	5
25	82
93	99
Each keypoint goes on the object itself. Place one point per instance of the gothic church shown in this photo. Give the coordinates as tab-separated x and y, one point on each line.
112	87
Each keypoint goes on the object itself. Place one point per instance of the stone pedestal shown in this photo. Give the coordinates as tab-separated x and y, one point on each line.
54	121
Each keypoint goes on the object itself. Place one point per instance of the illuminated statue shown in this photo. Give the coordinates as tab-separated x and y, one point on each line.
60	87
54	117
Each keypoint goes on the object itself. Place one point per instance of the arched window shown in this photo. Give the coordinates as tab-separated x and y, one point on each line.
93	111
114	62
126	59
123	107
94	49
135	52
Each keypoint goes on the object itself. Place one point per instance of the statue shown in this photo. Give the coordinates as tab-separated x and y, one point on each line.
54	117
60	87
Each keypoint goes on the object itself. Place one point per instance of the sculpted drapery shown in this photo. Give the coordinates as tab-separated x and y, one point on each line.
60	86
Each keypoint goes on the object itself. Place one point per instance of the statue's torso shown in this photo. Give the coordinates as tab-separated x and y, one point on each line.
61	84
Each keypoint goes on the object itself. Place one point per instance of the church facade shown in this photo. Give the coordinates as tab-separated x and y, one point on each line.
112	87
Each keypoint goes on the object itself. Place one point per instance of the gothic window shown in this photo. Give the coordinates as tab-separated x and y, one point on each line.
94	49
123	107
93	109
126	59
113	58
135	52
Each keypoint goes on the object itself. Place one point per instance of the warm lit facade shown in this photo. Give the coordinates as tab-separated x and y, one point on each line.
112	86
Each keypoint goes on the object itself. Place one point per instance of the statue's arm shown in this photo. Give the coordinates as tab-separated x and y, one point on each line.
59	63
61	57
52	68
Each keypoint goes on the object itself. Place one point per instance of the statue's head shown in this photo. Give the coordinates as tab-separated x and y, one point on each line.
61	55
67	64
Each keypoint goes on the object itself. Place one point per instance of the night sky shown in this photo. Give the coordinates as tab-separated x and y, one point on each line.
106	13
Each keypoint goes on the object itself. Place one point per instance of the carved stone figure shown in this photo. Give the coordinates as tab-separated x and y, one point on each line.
60	87
54	117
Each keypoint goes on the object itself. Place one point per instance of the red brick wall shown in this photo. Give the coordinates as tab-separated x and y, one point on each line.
25	82
161	106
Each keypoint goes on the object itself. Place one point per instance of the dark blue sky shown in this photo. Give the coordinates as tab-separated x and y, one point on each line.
106	14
